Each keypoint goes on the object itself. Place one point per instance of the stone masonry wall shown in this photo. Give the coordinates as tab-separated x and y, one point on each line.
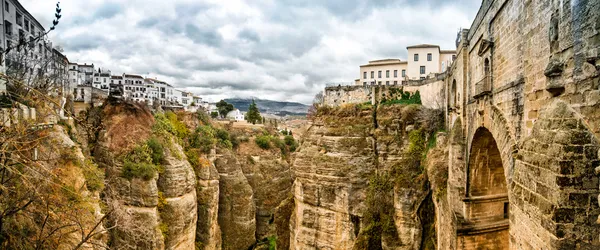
541	106
431	91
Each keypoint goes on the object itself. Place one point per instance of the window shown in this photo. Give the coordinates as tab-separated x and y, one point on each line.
387	83
453	57
19	19
416	57
32	29
395	82
379	74
379	82
422	70
372	74
364	83
104	79
403	73
26	25
422	78
8	29
387	74
6	6
395	73
365	75
429	56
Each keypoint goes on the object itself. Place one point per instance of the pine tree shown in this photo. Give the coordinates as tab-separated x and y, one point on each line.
253	115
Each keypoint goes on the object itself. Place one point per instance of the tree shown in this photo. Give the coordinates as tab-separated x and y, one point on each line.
40	207
253	115
214	114
224	108
317	102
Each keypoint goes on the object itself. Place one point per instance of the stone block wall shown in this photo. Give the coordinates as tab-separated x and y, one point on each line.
431	91
542	110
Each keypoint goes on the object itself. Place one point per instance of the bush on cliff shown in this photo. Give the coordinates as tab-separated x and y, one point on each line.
263	141
138	164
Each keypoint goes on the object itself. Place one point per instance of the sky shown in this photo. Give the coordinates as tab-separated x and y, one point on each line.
285	50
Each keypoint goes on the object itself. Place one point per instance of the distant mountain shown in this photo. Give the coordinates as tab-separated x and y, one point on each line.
270	107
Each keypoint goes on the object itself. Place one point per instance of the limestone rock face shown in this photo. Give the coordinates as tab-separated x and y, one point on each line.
159	213
271	180
332	169
236	204
208	231
177	184
341	152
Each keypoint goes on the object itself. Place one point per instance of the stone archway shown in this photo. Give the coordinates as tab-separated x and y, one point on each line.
486	207
486	174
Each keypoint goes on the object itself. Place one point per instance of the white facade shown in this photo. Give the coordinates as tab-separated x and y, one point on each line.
81	74
102	80
236	115
135	89
423	60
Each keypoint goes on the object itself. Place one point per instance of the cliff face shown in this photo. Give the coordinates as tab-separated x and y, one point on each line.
350	179
236	204
154	210
332	168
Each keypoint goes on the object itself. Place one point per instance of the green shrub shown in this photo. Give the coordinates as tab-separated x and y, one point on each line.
158	152
145	171
203	116
138	164
222	134
180	130
203	138
263	141
235	142
94	177
272	242
289	140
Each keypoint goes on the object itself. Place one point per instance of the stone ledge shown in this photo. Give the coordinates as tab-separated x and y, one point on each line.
486	198
482	228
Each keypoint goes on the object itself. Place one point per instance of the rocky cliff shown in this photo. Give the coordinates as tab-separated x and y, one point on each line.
180	181
359	180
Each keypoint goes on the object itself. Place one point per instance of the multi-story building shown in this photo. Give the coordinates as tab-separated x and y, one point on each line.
26	51
383	72
81	74
135	88
164	92
102	80
58	71
182	97
424	59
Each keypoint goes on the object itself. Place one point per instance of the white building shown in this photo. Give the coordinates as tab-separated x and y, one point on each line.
135	89
164	92
236	115
81	74
424	60
102	80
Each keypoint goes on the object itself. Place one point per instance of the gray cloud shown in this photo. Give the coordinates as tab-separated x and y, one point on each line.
283	50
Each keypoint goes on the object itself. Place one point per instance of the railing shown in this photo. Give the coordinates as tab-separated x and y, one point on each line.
483	87
335	84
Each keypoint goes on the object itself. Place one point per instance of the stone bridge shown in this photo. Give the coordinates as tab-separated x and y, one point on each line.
523	100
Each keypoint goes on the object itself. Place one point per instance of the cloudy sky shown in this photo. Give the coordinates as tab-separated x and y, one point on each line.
270	49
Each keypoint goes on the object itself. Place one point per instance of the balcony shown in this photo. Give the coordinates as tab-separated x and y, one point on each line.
483	87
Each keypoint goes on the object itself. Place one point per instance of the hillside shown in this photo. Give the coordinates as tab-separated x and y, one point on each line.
271	107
